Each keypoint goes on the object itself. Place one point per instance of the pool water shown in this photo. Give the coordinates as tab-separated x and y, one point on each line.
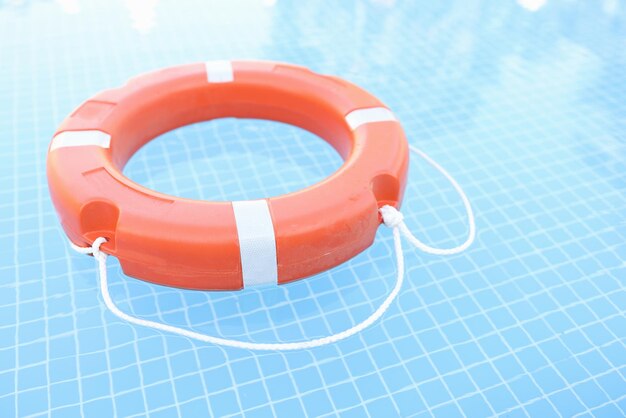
524	102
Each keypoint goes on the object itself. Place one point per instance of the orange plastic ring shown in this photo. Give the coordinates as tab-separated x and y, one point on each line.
225	245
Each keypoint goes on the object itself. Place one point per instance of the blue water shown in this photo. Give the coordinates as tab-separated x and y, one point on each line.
523	102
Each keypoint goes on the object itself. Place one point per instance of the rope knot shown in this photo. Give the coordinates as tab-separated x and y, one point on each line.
391	216
93	249
95	246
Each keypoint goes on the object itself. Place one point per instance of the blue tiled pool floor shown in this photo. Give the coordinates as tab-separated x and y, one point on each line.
523	102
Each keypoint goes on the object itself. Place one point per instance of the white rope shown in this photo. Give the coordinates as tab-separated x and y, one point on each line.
468	208
392	218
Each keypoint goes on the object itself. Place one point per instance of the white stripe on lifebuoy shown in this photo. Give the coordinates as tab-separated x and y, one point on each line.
360	117
257	243
80	138
219	71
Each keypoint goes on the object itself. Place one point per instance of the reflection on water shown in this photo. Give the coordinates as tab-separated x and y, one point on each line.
532	5
71	7
610	7
142	14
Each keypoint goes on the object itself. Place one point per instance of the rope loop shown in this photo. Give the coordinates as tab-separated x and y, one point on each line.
392	218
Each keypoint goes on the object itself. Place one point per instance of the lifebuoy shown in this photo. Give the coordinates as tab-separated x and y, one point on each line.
226	245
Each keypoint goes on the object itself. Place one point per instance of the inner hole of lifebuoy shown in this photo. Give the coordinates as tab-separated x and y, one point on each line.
233	159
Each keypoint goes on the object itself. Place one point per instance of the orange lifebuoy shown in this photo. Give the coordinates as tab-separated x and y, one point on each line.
225	245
